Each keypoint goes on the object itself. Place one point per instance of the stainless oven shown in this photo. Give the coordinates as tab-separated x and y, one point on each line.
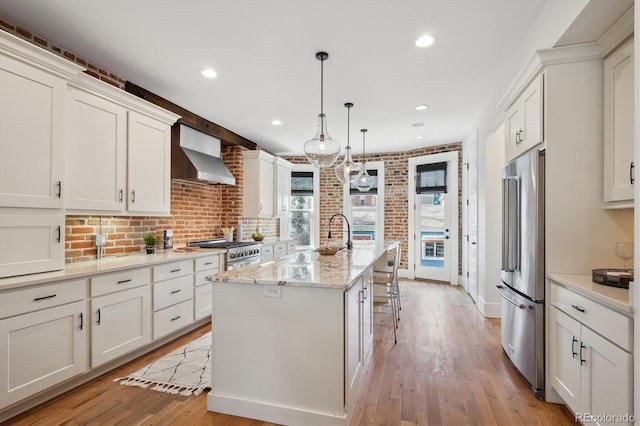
239	254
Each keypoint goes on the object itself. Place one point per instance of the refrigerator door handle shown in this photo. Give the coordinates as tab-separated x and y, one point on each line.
505	297
511	224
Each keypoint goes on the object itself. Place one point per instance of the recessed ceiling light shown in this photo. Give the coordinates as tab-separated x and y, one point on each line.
419	124
422	107
425	40
276	122
209	73
420	137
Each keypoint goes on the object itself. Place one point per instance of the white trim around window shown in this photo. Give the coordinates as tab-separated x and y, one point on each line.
371	165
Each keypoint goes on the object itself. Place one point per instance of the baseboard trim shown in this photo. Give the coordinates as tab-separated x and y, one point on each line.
489	310
270	413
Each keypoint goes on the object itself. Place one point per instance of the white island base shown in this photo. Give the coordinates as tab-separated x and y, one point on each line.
292	353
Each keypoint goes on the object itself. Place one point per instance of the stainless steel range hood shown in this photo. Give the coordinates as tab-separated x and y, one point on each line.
195	156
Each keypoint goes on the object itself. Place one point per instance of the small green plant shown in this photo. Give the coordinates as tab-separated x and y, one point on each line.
150	239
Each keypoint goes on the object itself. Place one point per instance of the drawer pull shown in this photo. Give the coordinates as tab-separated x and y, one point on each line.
208	263
81	320
176	291
176	270
124	281
578	308
573	351
176	318
44	297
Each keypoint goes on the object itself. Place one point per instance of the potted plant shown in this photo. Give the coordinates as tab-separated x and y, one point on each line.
150	241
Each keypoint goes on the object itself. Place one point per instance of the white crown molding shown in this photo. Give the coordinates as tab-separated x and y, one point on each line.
25	51
619	32
113	94
543	58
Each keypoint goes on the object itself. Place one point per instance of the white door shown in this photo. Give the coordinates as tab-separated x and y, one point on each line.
433	231
433	195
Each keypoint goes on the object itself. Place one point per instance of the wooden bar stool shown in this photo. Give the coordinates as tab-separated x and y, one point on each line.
388	275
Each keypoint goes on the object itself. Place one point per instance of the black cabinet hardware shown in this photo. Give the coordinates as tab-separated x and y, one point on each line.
44	297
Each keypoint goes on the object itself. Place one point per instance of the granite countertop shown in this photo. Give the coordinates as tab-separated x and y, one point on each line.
310	268
107	264
617	298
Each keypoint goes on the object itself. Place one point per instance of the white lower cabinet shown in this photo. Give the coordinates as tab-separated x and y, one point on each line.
203	288
593	375
41	347
172	297
358	332
120	314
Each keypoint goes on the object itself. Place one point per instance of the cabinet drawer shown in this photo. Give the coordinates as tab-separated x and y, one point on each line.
201	277
610	324
208	262
117	281
291	247
172	318
279	250
172	270
170	292
267	253
41	297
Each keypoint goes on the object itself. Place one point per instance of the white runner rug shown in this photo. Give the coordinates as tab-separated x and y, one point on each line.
185	371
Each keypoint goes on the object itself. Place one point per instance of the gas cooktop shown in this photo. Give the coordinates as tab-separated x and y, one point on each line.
223	244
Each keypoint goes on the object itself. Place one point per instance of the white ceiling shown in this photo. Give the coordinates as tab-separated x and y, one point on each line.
264	54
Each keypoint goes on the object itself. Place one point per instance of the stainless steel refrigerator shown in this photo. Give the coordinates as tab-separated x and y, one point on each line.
522	274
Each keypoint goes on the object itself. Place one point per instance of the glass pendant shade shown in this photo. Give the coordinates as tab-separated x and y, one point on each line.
348	170
322	150
364	182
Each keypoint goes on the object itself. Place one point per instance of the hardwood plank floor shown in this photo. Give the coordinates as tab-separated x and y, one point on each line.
446	369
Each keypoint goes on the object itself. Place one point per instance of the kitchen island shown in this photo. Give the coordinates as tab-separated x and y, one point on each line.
291	338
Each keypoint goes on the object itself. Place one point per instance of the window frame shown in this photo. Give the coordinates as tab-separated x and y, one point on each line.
379	167
315	213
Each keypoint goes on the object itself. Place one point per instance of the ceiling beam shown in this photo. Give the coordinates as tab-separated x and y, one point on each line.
226	136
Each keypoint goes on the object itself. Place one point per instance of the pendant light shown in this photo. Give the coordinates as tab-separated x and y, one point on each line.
322	150
364	182
348	170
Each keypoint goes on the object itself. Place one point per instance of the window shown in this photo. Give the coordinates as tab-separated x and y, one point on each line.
364	210
302	220
431	178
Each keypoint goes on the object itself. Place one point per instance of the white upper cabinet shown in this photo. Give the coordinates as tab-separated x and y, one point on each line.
283	187
118	151
149	165
258	184
31	136
618	127
266	185
524	120
96	153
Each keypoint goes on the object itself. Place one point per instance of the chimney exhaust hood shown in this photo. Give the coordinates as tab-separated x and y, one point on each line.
195	156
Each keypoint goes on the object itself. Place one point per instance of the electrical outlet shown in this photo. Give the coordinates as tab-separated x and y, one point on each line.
272	291
101	239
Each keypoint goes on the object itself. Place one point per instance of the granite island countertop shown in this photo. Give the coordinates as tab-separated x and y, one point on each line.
310	268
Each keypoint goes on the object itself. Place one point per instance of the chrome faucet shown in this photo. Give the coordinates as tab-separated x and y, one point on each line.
349	243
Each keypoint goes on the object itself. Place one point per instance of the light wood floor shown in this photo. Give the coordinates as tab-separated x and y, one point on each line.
446	369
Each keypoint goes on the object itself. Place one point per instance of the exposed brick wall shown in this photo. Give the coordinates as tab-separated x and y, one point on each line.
92	69
396	204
